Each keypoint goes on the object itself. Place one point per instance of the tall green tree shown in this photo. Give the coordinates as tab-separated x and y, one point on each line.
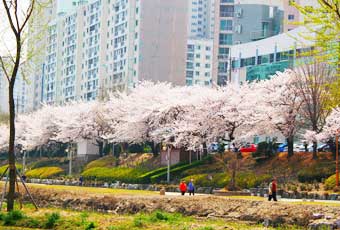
324	22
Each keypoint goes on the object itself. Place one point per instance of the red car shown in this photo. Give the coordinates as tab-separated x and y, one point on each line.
249	148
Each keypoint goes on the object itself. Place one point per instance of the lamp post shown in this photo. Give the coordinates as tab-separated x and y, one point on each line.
337	159
69	156
167	148
23	161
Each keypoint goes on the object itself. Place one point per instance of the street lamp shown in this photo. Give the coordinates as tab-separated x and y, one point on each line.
167	148
69	156
23	161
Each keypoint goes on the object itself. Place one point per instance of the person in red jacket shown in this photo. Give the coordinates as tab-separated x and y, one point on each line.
183	187
272	190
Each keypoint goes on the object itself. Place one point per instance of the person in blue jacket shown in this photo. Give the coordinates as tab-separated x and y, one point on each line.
191	187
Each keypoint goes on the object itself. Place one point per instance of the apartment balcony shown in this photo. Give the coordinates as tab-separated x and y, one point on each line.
260	34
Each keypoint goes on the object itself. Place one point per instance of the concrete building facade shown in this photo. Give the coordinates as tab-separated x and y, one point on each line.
261	59
241	21
99	46
201	24
199	62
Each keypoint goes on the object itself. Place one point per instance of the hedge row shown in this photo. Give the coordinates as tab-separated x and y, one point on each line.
221	180
126	175
3	168
330	182
315	173
107	161
44	172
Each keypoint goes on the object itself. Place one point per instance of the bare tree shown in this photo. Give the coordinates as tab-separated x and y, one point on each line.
231	163
313	82
18	19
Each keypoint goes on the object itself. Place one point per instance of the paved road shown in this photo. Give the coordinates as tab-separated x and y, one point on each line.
263	198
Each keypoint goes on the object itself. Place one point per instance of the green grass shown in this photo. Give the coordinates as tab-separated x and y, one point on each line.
66	219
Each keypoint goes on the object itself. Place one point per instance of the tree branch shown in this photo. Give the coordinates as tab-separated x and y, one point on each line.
4	69
9	16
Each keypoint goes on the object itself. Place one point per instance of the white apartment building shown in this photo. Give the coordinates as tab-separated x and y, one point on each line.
99	46
199	62
200	42
201	18
20	94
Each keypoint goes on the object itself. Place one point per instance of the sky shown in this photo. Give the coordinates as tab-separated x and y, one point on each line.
6	35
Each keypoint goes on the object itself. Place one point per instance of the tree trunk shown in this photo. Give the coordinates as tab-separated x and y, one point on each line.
315	150
205	150
155	148
233	179
290	143
11	149
101	147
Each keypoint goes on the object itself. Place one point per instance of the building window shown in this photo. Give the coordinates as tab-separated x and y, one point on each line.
226	25
291	17
226	11
226	39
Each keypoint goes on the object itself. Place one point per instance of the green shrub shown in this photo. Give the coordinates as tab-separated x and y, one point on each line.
315	173
266	149
330	182
52	220
44	172
138	222
249	180
30	223
4	167
127	175
218	180
12	217
90	226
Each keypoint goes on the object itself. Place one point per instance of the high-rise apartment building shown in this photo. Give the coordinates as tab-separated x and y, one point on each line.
96	46
20	94
201	23
242	21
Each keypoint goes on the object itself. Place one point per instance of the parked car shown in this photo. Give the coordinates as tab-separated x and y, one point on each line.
324	148
281	147
213	147
248	148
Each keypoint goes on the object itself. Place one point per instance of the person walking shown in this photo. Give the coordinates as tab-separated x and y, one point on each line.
81	180
183	187
191	187
272	190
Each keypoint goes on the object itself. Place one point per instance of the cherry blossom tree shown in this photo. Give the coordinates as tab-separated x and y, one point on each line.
279	105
